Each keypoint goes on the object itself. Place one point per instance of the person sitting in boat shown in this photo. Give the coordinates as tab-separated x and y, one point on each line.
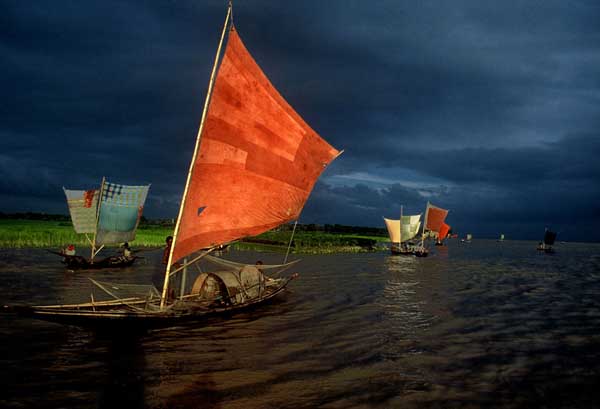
126	250
127	253
69	250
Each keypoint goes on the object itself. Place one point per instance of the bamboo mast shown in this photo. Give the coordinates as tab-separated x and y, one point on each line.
97	219
189	177
400	224
424	224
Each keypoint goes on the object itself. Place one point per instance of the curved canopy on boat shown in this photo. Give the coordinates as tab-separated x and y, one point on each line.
234	287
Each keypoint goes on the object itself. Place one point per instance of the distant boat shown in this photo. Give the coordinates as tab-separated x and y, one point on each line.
108	215
402	231
548	242
501	237
434	219
442	234
468	238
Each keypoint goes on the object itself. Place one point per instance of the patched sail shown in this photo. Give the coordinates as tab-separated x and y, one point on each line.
121	208
410	227
83	205
257	161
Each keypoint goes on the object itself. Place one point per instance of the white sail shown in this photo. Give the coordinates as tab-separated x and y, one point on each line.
410	226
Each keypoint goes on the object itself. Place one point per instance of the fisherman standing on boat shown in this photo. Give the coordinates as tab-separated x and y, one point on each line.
169	243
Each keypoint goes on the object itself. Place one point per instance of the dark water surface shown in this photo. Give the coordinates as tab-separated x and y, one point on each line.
475	325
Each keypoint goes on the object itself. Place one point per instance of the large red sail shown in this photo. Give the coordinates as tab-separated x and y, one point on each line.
257	161
434	217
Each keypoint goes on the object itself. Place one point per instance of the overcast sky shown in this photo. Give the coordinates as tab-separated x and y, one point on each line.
490	109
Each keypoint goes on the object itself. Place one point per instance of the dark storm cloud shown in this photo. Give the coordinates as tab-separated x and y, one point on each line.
488	108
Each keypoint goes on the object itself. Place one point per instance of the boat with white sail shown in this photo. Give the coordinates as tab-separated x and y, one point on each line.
108	215
402	231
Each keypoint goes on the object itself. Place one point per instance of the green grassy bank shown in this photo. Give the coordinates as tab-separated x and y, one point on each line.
56	234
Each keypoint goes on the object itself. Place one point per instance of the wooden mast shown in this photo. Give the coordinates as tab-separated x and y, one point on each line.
97	219
400	235
189	177
424	224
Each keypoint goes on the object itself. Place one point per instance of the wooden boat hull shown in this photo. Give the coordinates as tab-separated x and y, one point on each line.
402	252
81	263
395	249
131	316
108	262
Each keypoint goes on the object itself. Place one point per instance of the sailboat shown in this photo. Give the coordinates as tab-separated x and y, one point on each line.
548	242
467	238
402	231
434	219
253	167
442	234
110	215
501	238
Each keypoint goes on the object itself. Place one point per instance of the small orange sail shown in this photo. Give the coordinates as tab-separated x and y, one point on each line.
444	229
257	161
434	217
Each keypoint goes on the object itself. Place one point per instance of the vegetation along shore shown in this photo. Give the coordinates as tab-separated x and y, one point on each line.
55	231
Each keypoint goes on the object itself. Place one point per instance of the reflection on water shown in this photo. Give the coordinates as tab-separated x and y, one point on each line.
473	325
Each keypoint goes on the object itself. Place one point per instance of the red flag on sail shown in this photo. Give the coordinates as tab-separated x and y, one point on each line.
257	161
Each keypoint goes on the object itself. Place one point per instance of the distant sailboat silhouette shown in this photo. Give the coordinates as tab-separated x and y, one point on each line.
549	239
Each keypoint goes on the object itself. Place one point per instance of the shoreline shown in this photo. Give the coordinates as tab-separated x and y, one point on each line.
24	234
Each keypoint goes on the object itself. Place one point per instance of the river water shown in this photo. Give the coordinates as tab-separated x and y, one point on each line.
476	325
